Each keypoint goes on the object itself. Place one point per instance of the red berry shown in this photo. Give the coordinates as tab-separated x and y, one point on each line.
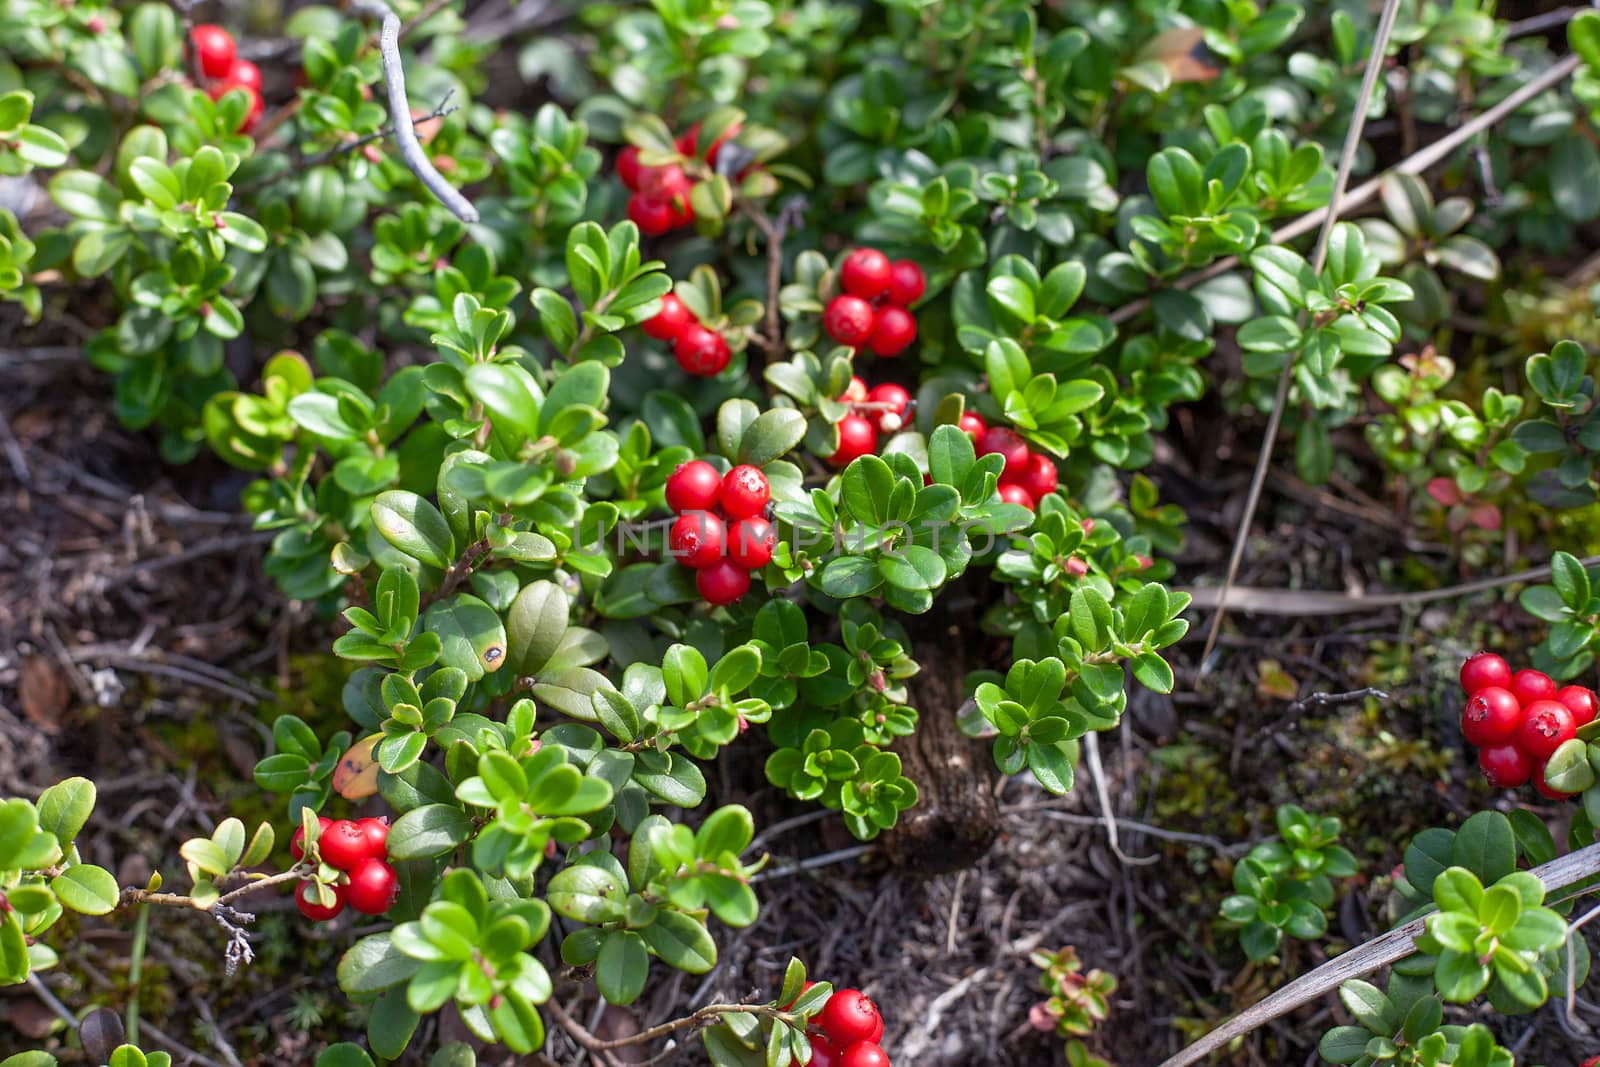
1581	702
1529	686
864	1054
697	539
972	424
305	898
343	845
628	167
373	887
694	486
1505	766
848	1017
1077	566
1544	789
691	137
673	318
681	211
1546	725
865	273
823	1054
701	352
1491	717
856	438
745	492
215	49
1012	493
1009	445
298	838
848	320
651	216
723	582
751	542
890	419
1485	669
855	392
877	1031
1038	477
245	72
892	331
666	183
376	832
906	283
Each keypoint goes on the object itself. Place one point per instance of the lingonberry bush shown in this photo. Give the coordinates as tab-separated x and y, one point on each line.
612	433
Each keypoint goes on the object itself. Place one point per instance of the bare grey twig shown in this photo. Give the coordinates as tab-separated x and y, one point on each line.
1321	700
405	131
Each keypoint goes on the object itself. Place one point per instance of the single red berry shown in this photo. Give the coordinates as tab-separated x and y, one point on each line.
1038	477
1485	669
865	273
651	216
864	1054
1530	686
673	318
305	898
628	167
665	183
376	832
745	492
245	72
723	582
343	845
892	331
1491	717
848	320
855	392
215	49
906	283
972	424
823	1054
1505	766
1581	702
694	486
1546	725
373	887
857	438
892	418
297	840
1592	1061
877	1031
1009	445
1012	493
701	352
96	24
1545	789
751	541
848	1017
697	539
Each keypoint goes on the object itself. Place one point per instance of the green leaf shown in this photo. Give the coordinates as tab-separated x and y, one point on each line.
65	807
428	831
472	638
622	967
1486	846
771	435
87	889
681	941
414	526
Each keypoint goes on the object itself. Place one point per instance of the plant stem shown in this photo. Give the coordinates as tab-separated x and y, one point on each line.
141	933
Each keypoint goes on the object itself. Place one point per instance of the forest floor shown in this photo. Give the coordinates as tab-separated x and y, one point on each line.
141	645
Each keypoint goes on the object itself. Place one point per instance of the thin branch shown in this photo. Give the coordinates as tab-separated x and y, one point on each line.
1347	158
1381	951
444	108
1366	191
405	132
773	231
1322	700
470	557
702	1017
1259	601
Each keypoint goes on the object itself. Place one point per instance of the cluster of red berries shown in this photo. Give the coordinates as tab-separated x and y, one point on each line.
846	1032
722	531
885	409
1517	721
224	71
700	351
871	312
359	848
660	201
1028	476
